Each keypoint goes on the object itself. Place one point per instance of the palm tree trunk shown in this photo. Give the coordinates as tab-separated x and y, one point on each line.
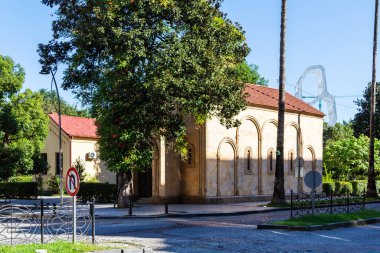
279	189
371	185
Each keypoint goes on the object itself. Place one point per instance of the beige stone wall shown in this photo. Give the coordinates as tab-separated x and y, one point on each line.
192	166
228	171
80	147
52	147
72	149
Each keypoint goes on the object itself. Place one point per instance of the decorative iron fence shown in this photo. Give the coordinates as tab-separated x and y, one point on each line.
305	203
45	222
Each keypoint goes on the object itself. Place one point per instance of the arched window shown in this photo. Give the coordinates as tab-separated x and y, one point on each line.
291	162
270	161
190	159
248	170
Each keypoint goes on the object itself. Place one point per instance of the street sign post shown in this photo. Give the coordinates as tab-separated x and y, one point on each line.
72	188
313	179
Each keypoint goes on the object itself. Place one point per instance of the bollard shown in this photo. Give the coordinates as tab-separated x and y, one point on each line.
54	208
42	221
166	208
130	207
92	213
331	201
291	204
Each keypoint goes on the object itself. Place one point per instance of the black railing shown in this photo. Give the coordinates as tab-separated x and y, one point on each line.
43	222
307	203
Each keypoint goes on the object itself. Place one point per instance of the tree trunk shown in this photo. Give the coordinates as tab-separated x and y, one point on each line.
279	189
371	185
124	189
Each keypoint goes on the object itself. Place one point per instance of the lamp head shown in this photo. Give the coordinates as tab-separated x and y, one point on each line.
45	70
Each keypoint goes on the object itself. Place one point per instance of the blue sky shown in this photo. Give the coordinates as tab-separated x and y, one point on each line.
334	33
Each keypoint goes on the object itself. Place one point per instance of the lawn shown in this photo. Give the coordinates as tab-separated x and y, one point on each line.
322	219
56	247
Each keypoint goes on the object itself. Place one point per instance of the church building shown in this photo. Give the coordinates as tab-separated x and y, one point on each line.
237	164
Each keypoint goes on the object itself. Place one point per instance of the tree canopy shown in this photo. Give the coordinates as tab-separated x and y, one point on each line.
248	73
347	159
23	123
50	104
146	65
360	123
337	132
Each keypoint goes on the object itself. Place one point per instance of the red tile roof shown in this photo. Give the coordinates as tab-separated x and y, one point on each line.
262	96
76	126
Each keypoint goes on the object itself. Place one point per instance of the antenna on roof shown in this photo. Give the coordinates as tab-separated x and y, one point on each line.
323	94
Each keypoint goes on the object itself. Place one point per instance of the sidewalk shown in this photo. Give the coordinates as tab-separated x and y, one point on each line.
106	211
143	210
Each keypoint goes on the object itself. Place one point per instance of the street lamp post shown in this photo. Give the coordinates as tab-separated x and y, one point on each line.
46	71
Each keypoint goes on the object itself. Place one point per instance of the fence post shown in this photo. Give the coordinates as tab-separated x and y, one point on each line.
364	192
130	206
291	204
92	213
42	221
348	202
331	201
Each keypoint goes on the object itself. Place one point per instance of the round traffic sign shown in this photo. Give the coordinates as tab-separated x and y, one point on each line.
313	179
72	182
299	161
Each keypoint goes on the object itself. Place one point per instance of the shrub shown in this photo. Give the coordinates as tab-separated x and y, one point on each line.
342	188
22	178
328	187
378	186
103	193
53	184
18	190
358	187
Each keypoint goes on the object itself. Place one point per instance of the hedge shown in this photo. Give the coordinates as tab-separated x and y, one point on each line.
353	187
359	186
18	190
328	187
103	193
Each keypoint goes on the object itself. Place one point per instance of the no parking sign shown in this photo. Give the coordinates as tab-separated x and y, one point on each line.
72	182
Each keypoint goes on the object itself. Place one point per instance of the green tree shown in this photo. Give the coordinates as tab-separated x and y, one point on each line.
50	105
145	66
248	73
347	159
279	188
337	132
23	123
361	123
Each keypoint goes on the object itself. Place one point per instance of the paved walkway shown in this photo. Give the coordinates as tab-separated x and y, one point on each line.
158	210
155	210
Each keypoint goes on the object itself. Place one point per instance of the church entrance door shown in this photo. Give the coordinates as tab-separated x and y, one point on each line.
145	183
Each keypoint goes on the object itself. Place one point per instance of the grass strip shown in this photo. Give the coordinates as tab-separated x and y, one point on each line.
55	247
322	219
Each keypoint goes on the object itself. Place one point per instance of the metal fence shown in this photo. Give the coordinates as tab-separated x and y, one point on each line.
305	203
45	223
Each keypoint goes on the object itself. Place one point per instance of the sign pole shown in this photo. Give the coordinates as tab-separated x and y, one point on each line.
72	188
74	219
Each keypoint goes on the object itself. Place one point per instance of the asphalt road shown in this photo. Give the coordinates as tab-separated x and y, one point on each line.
233	234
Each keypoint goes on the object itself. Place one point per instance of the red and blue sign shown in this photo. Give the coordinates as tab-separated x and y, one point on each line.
72	182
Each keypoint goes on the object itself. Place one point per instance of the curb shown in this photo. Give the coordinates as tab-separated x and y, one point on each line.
145	250
322	227
191	215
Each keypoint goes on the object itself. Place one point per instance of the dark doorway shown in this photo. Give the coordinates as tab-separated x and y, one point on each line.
145	183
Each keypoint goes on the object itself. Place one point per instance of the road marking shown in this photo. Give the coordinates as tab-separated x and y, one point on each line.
372	226
280	233
332	237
